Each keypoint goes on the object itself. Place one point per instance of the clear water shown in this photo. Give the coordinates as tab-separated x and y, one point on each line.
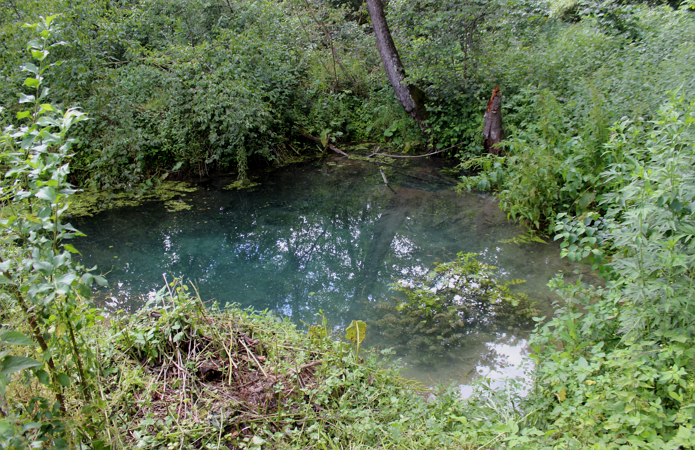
325	236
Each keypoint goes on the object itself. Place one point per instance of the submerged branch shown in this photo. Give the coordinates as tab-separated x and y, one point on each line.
331	146
414	156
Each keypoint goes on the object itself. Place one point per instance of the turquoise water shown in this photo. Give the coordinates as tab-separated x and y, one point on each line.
327	236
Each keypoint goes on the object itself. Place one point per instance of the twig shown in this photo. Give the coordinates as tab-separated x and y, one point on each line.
250	353
306	366
414	156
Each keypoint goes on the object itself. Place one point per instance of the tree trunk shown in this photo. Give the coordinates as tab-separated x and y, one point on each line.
412	98
493	131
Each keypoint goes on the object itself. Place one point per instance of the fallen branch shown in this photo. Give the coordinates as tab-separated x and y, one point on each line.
331	146
415	156
306	366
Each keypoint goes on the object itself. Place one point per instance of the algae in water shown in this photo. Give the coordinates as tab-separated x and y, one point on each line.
241	184
88	203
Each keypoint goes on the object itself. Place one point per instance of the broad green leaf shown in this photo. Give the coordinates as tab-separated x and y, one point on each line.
39	55
71	248
15	338
47	193
42	375
67	278
32	82
12	364
30	426
34	44
63	379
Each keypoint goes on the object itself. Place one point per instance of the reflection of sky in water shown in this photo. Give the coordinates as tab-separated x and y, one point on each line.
307	240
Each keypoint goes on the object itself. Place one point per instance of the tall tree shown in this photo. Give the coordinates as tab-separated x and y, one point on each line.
410	96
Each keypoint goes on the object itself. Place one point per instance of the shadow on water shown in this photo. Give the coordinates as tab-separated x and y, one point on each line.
331	237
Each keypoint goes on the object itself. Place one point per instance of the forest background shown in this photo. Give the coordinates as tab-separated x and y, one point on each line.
598	112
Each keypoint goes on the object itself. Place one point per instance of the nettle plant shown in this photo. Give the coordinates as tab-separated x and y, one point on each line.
43	335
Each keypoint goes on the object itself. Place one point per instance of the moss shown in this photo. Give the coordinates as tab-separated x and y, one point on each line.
176	205
241	184
88	203
286	161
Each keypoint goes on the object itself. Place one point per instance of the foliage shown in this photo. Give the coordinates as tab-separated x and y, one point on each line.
41	284
616	363
562	93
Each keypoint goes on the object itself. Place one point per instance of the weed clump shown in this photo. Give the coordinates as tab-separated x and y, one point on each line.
183	374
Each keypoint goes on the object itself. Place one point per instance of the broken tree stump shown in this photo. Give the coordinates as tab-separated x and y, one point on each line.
493	131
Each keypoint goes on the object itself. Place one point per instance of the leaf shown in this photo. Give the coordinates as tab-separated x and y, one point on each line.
63	379
32	82
582	363
39	54
47	193
34	43
562	395
67	278
26	98
71	248
15	338
48	122
29	67
101	281
42	375
356	331
12	364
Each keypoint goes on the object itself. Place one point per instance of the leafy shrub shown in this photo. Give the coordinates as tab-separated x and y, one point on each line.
616	363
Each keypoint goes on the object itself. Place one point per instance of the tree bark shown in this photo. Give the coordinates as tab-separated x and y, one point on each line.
493	131
412	98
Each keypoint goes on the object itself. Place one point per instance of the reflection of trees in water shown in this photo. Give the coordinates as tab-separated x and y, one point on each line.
300	242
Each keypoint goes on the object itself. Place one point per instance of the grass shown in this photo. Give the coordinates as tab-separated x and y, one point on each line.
180	374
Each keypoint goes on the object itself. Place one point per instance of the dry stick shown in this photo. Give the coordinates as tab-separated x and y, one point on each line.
183	389
306	366
168	288
414	156
249	352
295	150
331	146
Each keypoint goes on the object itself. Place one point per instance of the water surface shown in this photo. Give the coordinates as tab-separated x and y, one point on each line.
326	236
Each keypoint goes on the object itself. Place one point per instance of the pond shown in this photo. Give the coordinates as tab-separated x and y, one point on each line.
325	236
